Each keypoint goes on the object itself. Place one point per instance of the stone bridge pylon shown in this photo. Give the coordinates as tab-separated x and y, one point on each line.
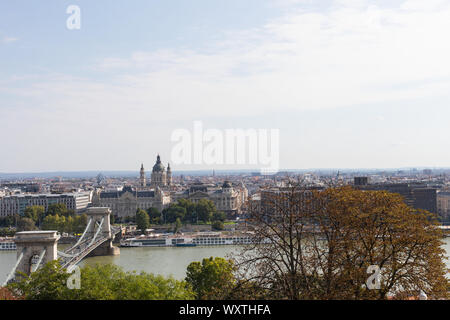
96	215
36	248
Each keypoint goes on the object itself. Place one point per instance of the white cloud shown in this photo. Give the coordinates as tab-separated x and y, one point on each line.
341	57
9	39
350	54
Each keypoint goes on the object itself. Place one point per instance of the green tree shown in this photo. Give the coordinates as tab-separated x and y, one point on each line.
178	225
80	223
54	222
191	215
155	215
217	225
100	282
70	224
7	232
142	220
205	210
25	224
173	213
35	213
219	216
9	221
48	283
58	209
213	278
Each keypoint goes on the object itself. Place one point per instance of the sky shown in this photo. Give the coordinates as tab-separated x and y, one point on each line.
348	83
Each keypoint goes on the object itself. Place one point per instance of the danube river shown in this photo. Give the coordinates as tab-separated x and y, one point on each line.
167	261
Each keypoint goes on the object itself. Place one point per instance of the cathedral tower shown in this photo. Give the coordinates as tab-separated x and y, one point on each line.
169	175
142	176
159	174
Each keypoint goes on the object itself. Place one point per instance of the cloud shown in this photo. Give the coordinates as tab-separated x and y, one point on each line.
9	39
349	55
353	53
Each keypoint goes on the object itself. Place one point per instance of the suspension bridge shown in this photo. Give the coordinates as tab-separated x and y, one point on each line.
36	248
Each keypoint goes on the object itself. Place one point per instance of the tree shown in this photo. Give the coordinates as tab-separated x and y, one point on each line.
101	282
178	225
219	216
9	221
58	209
173	213
142	220
320	244
213	278
191	215
54	222
7	232
80	223
25	224
154	215
217	225
47	283
35	213
70	224
205	210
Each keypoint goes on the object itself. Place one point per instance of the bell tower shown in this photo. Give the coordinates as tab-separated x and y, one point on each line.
142	176
169	175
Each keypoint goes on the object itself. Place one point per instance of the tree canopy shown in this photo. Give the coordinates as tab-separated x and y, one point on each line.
212	278
320	245
100	282
142	220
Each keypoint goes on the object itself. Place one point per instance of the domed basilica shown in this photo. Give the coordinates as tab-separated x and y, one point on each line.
160	176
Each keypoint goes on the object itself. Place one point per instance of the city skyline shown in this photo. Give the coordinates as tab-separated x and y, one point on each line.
348	83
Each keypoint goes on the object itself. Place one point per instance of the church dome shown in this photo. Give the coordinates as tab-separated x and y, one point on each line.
158	167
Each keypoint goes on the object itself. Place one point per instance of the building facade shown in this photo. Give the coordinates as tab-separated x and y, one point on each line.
415	195
443	205
16	204
227	198
124	203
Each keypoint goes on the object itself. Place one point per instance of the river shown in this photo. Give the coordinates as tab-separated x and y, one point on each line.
167	261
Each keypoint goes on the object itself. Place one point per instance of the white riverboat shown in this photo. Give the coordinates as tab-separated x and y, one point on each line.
218	239
193	240
7	244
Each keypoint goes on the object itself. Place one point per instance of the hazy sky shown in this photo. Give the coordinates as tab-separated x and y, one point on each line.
349	83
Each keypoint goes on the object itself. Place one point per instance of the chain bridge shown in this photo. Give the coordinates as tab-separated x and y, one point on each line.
36	248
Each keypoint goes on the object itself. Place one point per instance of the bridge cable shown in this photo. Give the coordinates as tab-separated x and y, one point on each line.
97	232
72	257
82	236
13	271
41	257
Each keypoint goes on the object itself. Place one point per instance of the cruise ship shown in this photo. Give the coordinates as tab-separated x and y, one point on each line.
7	244
199	239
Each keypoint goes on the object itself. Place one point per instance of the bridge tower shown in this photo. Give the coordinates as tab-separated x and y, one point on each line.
101	218
35	248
